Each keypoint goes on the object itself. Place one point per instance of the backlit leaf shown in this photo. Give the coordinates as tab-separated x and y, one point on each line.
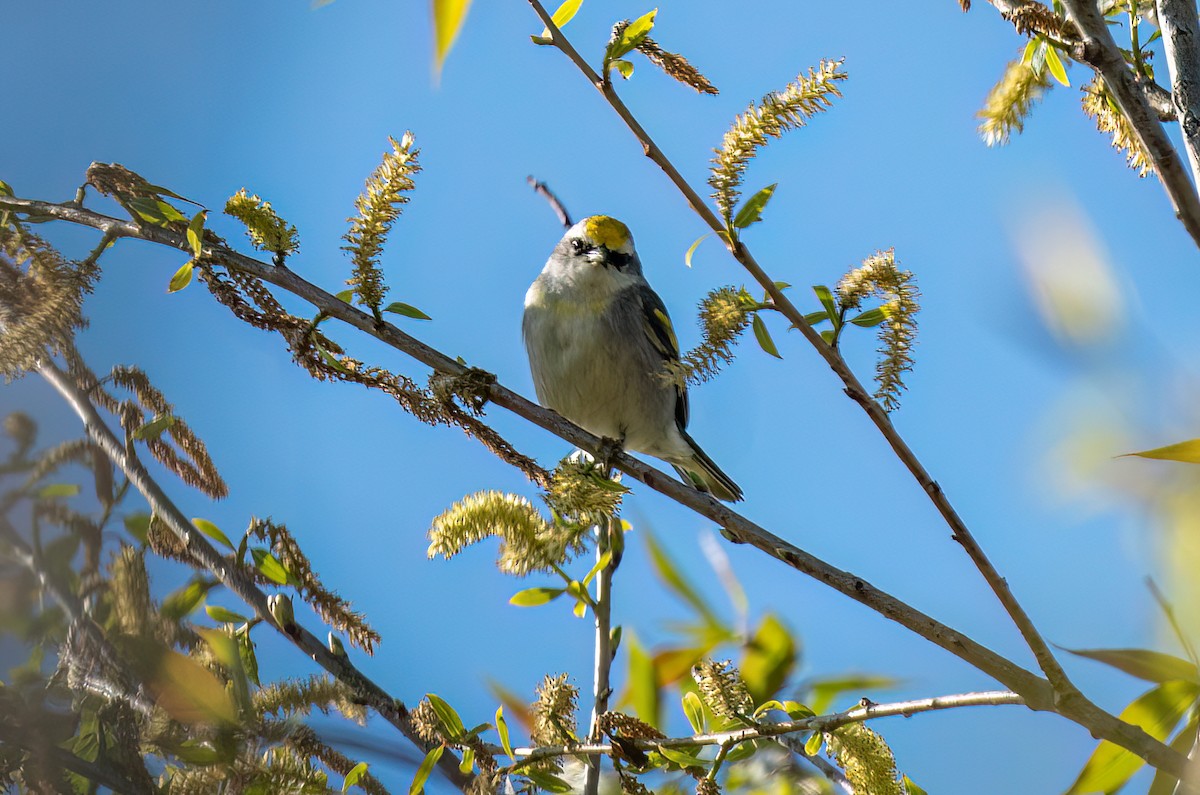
751	211
431	759
448	17
764	337
212	531
1188	452
1153	666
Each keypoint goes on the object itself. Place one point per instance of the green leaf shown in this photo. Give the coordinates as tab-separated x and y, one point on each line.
354	775
643	694
546	781
693	707
870	318
687	257
427	763
813	318
502	730
631	37
1055	65
764	337
183	601
532	597
671	577
827	335
154	428
468	762
212	531
448	17
155	211
58	490
1188	452
769	658
812	746
1145	664
195	232
751	211
223	616
623	67
5	189
601	563
911	788
408	310
1027	54
331	360
269	565
246	651
138	525
825	296
683	758
345	295
1157	711
561	16
447	715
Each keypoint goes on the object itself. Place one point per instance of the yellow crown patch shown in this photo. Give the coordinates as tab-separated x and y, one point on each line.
608	232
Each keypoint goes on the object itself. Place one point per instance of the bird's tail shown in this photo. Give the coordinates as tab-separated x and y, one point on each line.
700	471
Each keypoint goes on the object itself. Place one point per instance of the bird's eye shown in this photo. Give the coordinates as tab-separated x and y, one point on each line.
578	246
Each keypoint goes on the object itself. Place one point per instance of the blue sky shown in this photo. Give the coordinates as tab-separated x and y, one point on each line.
296	104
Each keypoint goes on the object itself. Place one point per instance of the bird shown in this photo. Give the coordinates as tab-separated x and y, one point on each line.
600	341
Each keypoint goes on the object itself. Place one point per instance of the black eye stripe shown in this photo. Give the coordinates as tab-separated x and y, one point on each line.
618	260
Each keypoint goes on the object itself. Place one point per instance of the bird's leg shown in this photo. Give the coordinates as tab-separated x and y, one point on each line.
608	452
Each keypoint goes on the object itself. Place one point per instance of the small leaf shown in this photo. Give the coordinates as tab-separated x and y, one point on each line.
212	531
138	525
223	616
195	232
425	769
5	189
812	746
154	428
687	258
825	296
1188	452
827	335
870	318
448	17
332	360
813	318
447	715
345	295
547	782
182	277
561	16
468	762
269	565
1145	664
682	758
532	597
1055	65
625	68
631	37
58	490
183	601
764	337
751	211
408	310
502	730
693	707
601	564
911	788
769	658
354	775
155	211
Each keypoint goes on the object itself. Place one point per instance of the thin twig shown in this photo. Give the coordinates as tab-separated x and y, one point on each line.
555	204
736	528
820	723
1181	39
232	575
602	610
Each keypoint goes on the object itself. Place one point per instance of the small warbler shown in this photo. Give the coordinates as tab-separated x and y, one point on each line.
599	339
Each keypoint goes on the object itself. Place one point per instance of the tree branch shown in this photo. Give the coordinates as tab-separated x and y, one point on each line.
819	723
1181	39
230	573
736	528
602	610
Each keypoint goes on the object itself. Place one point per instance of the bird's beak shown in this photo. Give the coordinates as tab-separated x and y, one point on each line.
598	256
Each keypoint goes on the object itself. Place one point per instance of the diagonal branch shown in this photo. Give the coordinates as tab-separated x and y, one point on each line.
231	574
1181	39
1035	690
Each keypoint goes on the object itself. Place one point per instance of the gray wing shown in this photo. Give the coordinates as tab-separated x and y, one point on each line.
662	337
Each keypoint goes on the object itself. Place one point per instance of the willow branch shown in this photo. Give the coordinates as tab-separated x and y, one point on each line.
1181	38
853	387
232	575
95	772
817	723
736	528
559	209
602	611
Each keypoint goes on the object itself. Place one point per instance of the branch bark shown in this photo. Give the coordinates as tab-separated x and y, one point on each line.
1180	28
231	574
1035	690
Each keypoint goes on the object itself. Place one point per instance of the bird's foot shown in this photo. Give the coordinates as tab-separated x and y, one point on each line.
608	452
